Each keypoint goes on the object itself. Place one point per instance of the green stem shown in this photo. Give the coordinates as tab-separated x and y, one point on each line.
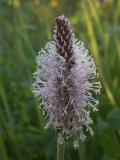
60	150
81	150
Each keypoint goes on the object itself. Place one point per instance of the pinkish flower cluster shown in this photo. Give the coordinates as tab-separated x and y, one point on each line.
64	81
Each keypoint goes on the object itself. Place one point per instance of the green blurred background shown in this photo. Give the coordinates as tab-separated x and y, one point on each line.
25	27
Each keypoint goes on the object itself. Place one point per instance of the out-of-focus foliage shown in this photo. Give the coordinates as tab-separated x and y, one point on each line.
25	27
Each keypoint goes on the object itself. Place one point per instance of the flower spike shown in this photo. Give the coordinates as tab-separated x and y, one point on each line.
64	81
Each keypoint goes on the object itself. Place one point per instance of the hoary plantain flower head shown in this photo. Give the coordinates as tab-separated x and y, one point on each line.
64	81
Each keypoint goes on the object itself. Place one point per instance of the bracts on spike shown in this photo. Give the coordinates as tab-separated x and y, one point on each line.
63	36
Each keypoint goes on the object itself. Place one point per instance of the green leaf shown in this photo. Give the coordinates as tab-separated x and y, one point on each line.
101	124
114	118
114	114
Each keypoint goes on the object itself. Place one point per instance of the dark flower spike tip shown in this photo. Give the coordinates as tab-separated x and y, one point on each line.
63	36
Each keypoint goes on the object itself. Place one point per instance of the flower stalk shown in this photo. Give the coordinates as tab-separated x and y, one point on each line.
81	150
60	150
